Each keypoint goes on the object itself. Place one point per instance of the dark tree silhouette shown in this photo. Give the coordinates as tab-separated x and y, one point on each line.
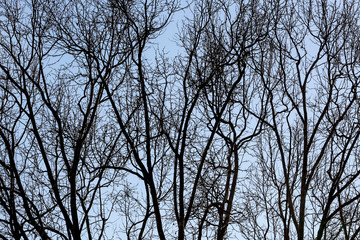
250	131
306	181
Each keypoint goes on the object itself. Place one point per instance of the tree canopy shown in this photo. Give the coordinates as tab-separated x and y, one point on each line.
249	129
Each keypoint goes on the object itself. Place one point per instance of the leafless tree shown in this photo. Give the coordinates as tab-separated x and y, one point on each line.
217	89
251	129
54	139
305	184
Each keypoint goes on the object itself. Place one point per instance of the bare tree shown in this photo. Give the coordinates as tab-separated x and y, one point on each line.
305	184
54	141
251	129
176	118
217	90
